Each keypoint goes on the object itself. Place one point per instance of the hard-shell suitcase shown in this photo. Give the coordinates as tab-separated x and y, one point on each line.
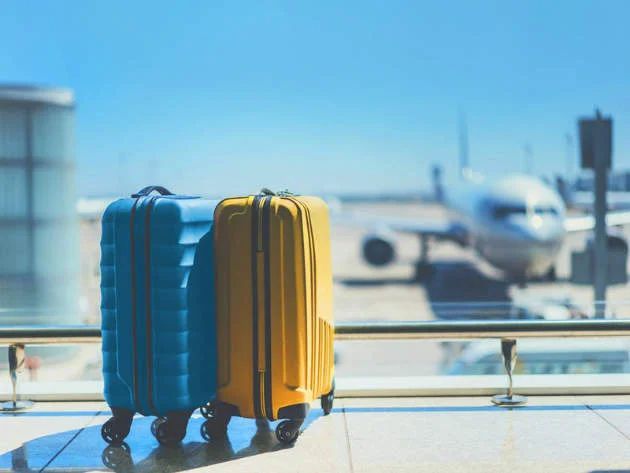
158	311
274	311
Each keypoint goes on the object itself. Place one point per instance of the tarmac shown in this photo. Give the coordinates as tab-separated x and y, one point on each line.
460	283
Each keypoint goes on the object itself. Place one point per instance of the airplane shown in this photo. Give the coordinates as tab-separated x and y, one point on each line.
518	224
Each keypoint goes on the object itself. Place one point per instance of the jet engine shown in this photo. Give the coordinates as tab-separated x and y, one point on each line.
378	249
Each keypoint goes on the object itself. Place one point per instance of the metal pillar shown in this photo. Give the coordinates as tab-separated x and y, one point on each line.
596	154
601	235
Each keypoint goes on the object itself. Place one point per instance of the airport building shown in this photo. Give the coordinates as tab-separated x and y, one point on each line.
39	254
618	181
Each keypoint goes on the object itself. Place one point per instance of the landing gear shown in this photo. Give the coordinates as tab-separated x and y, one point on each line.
551	275
423	269
116	429
217	420
288	431
328	399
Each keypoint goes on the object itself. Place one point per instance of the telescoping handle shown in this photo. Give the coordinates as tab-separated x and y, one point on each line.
147	190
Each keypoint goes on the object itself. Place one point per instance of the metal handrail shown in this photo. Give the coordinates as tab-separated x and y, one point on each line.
471	329
50	334
506	330
468	329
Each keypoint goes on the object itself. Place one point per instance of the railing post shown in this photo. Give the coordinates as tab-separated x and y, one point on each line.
17	358
508	351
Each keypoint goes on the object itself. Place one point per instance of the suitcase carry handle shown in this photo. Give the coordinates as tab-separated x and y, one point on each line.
284	193
147	190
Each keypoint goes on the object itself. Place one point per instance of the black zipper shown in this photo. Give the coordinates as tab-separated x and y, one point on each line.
267	283
147	300
132	258
254	250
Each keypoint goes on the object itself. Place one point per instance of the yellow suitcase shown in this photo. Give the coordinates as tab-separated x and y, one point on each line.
274	311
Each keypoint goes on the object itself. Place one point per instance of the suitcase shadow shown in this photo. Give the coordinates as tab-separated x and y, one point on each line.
83	450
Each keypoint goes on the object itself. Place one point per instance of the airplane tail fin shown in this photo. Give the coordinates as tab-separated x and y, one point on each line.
436	179
464	164
564	189
466	172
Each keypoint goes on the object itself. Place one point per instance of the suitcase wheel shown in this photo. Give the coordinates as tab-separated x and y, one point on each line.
212	429
209	410
117	457
288	431
167	432
327	400
115	430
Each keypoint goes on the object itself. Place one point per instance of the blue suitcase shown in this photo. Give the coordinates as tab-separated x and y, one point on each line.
158	311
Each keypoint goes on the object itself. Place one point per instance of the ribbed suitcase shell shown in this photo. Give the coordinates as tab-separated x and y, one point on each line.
274	305
173	343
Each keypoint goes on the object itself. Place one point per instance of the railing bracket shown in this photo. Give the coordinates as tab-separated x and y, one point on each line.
508	351
17	358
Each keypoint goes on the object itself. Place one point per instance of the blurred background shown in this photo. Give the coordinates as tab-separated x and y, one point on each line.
443	136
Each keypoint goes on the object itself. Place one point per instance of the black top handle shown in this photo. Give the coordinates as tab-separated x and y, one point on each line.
147	190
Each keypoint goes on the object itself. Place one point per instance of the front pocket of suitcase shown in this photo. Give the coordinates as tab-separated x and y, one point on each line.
326	355
295	356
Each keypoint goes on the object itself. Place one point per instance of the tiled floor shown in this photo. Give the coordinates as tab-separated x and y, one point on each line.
573	434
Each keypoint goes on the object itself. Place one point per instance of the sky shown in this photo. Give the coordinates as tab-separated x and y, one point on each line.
321	97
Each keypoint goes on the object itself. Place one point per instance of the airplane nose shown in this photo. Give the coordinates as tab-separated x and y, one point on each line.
543	231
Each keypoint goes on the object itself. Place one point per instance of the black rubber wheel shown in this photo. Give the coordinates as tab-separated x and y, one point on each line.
114	431
327	400
287	432
115	457
166	432
213	429
154	425
209	410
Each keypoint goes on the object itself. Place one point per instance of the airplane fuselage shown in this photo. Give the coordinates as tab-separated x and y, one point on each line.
515	223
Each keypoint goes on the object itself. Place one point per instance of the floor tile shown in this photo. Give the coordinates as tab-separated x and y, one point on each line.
612	409
321	447
452	434
29	440
552	434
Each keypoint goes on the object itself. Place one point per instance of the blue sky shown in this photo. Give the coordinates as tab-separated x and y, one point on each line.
226	97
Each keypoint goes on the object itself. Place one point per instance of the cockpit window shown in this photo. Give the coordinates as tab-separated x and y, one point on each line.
501	212
545	210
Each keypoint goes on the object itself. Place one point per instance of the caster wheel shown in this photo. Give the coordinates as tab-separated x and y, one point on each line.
328	400
113	432
166	433
155	424
287	432
209	410
213	429
117	457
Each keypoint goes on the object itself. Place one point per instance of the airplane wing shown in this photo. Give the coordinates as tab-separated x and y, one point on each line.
587	222
444	229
